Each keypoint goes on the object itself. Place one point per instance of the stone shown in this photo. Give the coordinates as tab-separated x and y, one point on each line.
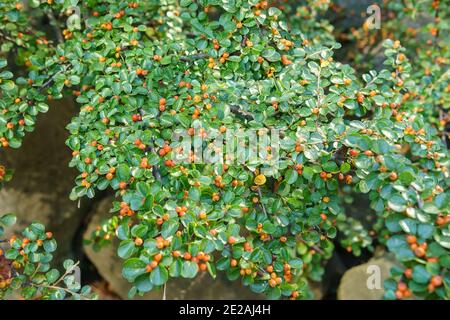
365	281
109	267
42	180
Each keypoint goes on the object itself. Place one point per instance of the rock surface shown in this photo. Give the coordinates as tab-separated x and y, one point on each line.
109	266
365	282
42	180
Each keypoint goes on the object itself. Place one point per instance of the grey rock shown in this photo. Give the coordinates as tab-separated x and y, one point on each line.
42	180
365	282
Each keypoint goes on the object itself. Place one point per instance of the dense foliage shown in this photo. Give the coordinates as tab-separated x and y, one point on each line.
142	70
25	269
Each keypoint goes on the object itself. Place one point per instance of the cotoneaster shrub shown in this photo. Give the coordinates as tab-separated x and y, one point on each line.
142	70
25	263
25	267
423	27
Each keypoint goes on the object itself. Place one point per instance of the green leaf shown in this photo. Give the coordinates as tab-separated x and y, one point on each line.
185	3
308	173
169	228
159	276
15	143
330	167
345	167
189	269
123	172
201	28
408	225
8	85
291	176
143	283
296	263
273	11
406	177
50	245
52	276
126	249
397	203
11	254
175	268
420	274
139	230
273	293
68	264
123	231
212	270
42	107
271	55
425	231
8	220
132	268
143	188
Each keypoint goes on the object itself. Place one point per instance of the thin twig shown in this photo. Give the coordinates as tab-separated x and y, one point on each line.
238	111
244	40
6	37
59	288
35	271
260	198
443	136
49	81
155	168
164	291
318	249
194	57
69	270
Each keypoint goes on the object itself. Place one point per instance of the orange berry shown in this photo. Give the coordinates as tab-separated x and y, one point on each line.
122	185
411	239
157	257
407	294
420	252
408	273
399	294
201	255
393	176
272	283
436	281
176	254
402	286
138	241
